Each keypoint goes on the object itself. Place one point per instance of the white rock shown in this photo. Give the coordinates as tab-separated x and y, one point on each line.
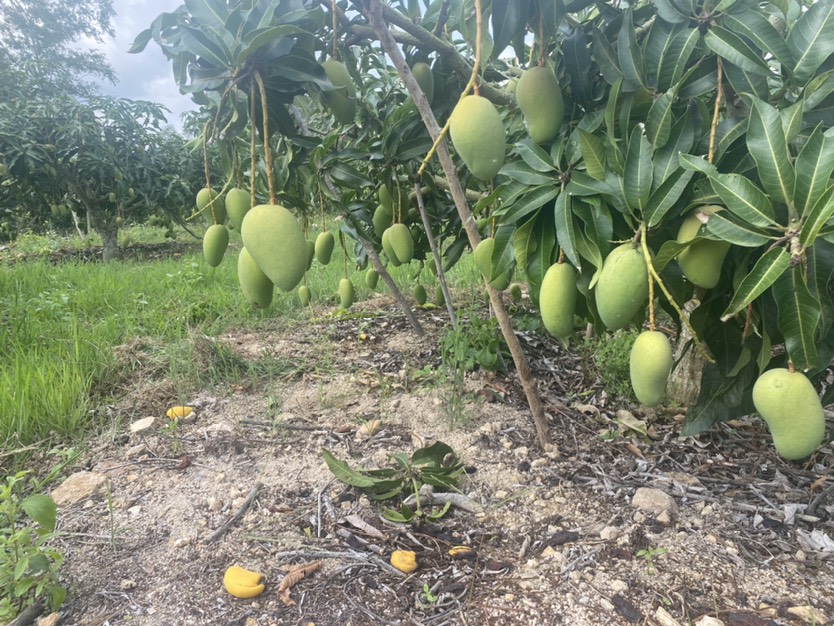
665	518
79	486
142	425
708	620
609	533
809	615
619	586
53	619
663	618
654	501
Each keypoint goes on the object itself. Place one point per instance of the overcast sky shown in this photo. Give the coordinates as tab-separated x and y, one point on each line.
147	75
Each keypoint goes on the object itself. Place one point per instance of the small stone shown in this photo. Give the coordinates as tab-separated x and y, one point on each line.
79	486
541	462
638	517
609	533
707	510
549	552
220	427
663	618
126	584
708	620
664	518
654	501
606	604
506	444
53	619
500	494
140	426
135	451
800	556
214	504
135	510
809	615
521	452
509	597
619	586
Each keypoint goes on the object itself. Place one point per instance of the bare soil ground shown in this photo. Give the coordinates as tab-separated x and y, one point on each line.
559	542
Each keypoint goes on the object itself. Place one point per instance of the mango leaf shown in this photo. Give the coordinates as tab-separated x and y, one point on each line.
212	13
816	219
731	47
208	49
538	263
728	132
670	12
593	154
746	82
606	58
770	266
637	177
818	89
756	28
629	55
767	144
534	156
814	166
681	139
524	242
720	399
667	51
743	199
611	113
527	204
349	175
668	251
577	59
508	16
819	259
665	197
523	173
810	41
659	120
792	119
42	510
799	316
344	473
583	185
697	164
563	218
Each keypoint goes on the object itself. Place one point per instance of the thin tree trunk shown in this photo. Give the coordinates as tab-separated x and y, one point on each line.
110	238
459	197
438	261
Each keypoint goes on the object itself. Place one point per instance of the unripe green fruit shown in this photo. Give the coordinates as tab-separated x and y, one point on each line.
789	404
237	206
478	136
483	257
131	192
341	101
311	254
120	221
701	262
256	286
502	281
346	293
304	295
276	242
399	236
419	294
512	85
650	364
382	219
515	292
215	242
371	278
389	249
622	287
439	298
385	198
557	299
207	200
325	243
540	100
111	197
4	169
423	76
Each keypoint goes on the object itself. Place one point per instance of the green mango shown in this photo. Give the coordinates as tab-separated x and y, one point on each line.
215	242
325	242
389	249
478	136
439	298
399	237
557	299
515	293
256	286
341	101
419	293
383	218
424	77
650	364
790	405
237	206
304	295
701	262
276	241
207	199
371	278
346	293
540	99
622	287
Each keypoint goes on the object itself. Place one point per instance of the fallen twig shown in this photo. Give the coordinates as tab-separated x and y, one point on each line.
236	517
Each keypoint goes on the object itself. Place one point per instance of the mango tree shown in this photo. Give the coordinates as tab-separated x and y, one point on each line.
668	154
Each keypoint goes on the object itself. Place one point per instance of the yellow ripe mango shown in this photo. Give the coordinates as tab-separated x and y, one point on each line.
478	136
237	206
557	299
342	100
789	404
650	364
215	242
701	262
622	287
346	293
540	99
256	286
276	241
423	76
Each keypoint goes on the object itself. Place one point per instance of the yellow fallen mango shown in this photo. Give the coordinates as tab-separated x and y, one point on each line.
243	583
177	412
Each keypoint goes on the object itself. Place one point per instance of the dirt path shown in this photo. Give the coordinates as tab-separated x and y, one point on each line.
562	539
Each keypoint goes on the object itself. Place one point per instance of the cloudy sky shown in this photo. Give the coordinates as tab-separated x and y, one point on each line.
147	75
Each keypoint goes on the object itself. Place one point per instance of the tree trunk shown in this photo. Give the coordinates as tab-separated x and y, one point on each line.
685	381
110	238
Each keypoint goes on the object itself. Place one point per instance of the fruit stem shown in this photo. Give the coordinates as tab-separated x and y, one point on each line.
206	171
253	153
561	256
321	210
335	30
653	273
542	54
791	367
267	150
344	252
719	96
236	167
472	84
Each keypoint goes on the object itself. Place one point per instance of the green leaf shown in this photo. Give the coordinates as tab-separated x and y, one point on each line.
755	27
344	473
257	40
611	113
743	199
212	13
668	251
508	16
665	197
583	185
770	266
728	132
814	166
520	171
720	399
534	156
527	204
606	58
659	120
732	48
726	228
767	144
42	510
816	219
681	139
563	218
744	81
593	154
792	120
667	52
629	55
637	177
696	164
798	318
577	60
432	455
810	41
209	50
670	12
403	516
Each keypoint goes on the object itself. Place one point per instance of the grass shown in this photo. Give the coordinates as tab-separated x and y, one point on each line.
610	355
60	323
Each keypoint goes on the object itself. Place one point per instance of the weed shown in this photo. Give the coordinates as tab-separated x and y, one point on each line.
28	565
610	356
649	555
